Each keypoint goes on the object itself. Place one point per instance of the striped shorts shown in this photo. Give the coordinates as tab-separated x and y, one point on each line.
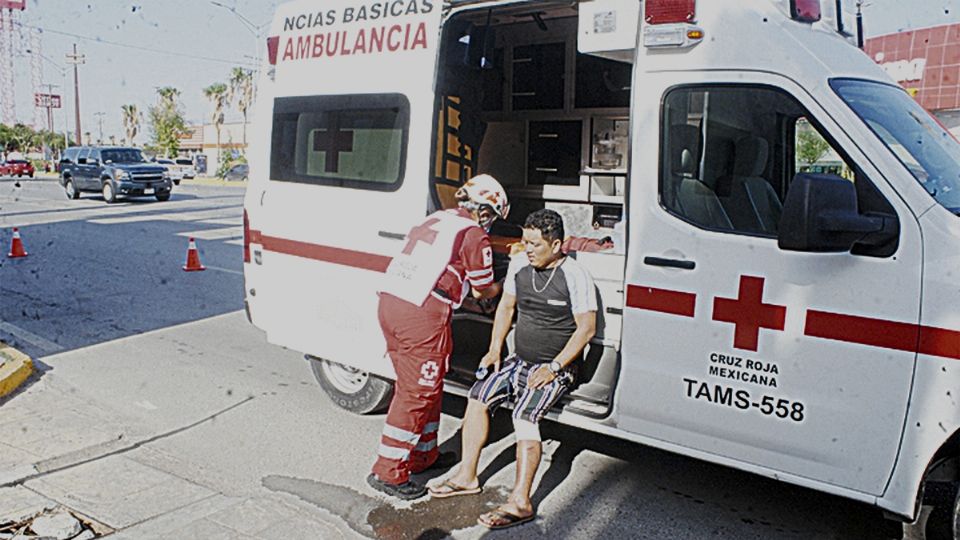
510	383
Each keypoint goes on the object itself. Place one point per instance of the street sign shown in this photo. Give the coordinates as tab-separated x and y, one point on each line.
51	101
13	4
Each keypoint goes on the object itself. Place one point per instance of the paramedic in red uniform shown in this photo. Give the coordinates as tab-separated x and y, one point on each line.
444	257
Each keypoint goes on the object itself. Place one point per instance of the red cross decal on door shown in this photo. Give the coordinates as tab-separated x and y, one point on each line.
421	233
332	141
748	313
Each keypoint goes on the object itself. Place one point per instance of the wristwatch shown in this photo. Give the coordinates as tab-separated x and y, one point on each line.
555	367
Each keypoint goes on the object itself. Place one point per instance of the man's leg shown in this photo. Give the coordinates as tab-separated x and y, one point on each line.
530	409
485	397
528	460
476	428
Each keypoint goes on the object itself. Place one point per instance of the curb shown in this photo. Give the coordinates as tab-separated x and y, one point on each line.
212	181
15	368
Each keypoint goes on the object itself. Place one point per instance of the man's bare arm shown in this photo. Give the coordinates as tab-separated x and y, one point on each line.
501	327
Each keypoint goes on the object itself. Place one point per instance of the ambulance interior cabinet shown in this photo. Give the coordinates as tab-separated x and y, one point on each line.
538	77
553	153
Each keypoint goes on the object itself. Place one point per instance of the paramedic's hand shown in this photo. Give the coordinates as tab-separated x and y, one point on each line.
492	358
541	377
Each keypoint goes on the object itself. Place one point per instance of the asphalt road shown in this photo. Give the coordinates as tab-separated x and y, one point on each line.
104	306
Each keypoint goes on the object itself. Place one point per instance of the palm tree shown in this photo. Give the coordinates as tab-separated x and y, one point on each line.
131	121
241	90
217	94
168	95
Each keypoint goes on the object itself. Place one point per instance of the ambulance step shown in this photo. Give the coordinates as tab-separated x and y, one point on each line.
593	392
585	408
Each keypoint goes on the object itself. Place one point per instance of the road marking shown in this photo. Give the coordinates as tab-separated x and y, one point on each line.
236	222
171	216
237	242
227	270
37	341
214	234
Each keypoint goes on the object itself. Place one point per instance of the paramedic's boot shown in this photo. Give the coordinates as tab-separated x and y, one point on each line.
406	491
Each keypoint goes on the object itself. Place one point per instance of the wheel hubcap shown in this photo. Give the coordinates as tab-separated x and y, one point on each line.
345	379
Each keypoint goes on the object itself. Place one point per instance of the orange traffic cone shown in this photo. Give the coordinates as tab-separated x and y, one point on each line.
16	247
193	258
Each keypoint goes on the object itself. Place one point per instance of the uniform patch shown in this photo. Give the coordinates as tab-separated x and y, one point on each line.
487	256
428	373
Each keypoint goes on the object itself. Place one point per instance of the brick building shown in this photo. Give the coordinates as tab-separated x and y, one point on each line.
926	61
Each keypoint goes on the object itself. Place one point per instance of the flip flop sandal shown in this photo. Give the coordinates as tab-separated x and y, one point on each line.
449	489
503	519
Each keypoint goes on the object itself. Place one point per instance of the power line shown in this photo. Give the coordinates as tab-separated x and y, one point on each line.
145	49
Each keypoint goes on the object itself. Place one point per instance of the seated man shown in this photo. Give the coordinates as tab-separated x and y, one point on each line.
557	306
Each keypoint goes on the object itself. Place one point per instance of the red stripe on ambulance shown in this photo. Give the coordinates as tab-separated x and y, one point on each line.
882	333
341	256
661	300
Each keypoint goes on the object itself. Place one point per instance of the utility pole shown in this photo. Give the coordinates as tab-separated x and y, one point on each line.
100	116
76	59
860	5
49	105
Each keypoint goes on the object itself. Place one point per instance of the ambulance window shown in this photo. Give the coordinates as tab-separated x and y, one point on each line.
729	153
346	141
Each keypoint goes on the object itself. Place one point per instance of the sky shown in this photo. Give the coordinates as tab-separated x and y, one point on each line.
133	47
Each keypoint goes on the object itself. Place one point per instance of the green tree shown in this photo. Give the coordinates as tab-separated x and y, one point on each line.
131	121
810	146
217	94
241	93
166	121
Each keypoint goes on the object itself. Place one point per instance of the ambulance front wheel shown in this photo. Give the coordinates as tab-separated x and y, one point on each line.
943	523
354	390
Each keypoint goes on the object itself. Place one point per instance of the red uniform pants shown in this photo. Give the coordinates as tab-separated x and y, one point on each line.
419	345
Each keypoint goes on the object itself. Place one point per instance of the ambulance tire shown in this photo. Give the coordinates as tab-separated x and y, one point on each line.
943	523
356	391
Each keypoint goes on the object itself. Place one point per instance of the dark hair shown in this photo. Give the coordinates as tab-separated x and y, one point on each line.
548	222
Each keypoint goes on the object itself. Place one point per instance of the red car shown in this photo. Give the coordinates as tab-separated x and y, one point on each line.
17	167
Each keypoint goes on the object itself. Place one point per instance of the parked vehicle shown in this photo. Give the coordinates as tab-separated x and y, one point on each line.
799	326
186	167
237	172
17	167
174	170
113	172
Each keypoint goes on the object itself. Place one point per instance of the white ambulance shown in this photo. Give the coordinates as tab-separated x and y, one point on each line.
785	296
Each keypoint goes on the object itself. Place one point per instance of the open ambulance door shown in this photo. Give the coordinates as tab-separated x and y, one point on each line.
349	110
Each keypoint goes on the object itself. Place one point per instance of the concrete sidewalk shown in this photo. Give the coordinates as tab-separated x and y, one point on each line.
61	447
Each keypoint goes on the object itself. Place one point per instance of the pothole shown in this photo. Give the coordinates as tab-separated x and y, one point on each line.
58	523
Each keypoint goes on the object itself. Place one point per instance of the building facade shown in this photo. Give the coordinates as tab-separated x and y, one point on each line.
926	62
202	141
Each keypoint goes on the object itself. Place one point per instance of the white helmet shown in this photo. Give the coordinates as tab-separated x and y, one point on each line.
484	190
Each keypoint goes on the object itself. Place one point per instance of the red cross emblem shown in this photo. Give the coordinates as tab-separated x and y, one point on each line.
748	313
421	233
331	142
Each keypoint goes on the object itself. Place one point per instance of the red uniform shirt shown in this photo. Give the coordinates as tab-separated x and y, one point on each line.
471	265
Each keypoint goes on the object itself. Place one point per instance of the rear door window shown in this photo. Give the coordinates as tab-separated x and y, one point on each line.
347	141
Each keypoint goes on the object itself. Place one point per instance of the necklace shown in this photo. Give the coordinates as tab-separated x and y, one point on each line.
533	279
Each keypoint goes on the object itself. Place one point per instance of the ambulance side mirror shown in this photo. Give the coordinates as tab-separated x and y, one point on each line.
821	215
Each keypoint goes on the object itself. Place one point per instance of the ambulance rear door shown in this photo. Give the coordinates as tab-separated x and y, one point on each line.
348	107
796	364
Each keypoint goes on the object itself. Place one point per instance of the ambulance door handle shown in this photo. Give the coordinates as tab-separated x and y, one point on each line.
392	235
669	263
